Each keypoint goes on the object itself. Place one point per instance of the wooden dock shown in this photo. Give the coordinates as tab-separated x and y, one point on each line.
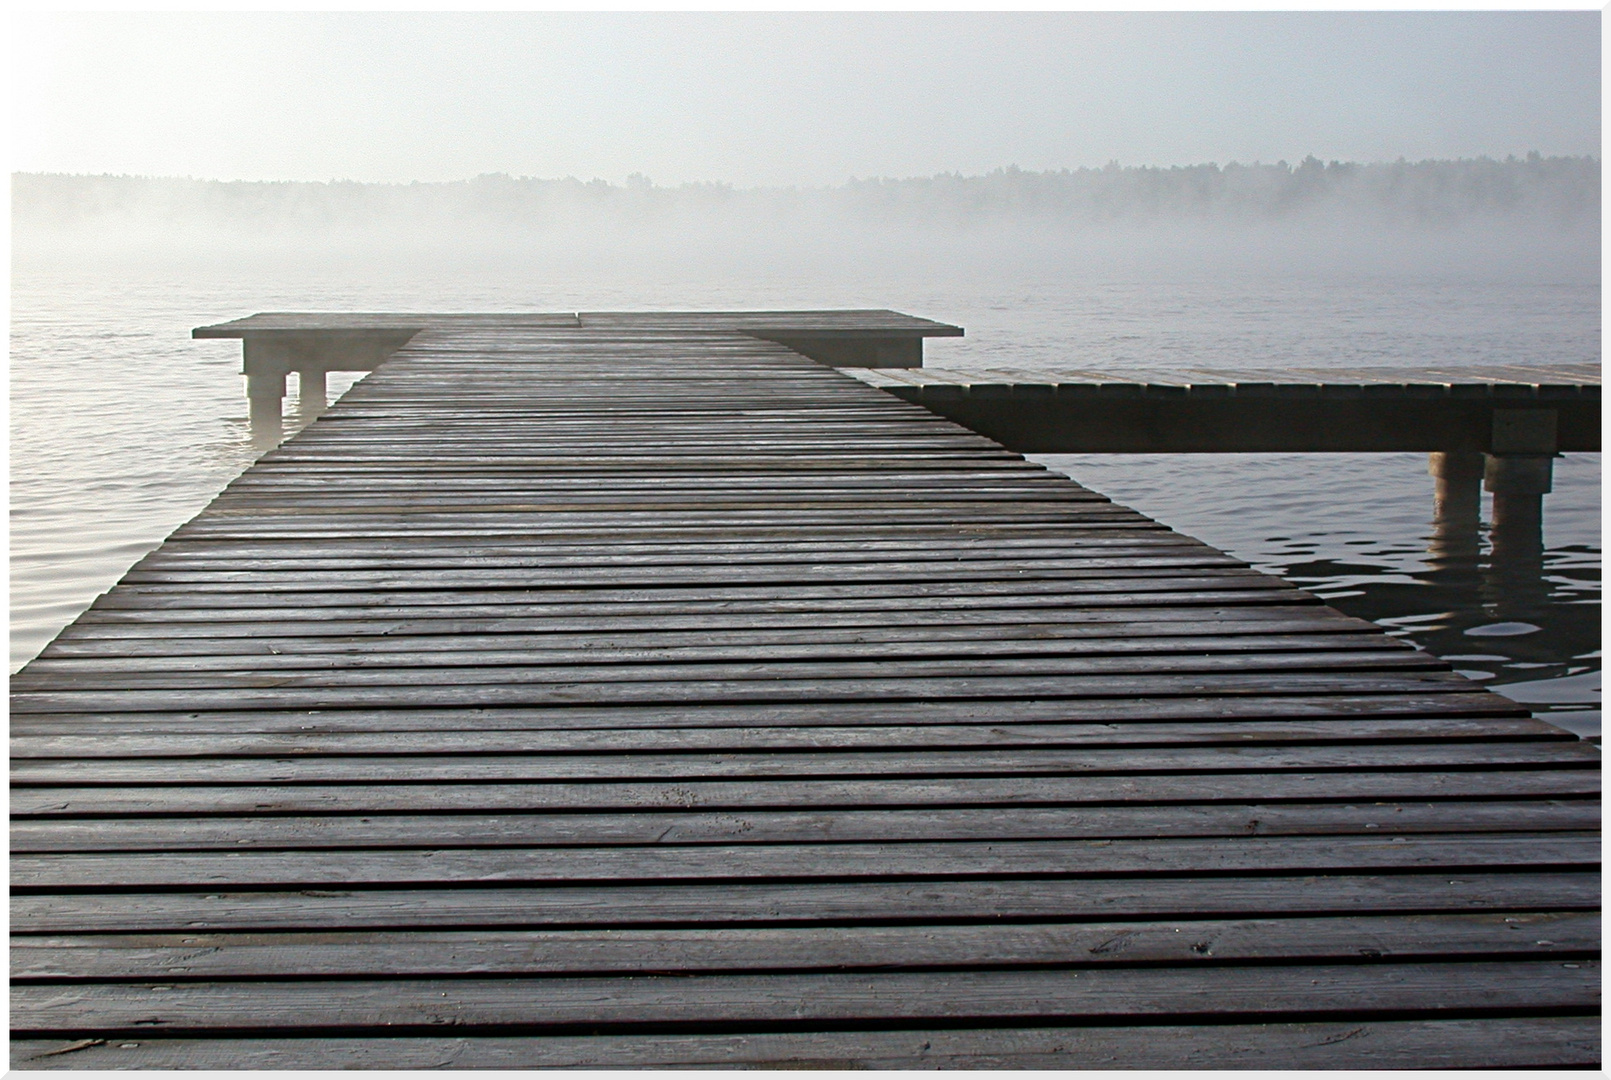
623	691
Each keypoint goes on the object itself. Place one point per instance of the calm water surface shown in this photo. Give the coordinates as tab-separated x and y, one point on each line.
122	428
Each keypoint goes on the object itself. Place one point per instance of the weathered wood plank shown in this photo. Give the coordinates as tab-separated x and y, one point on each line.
759	691
1073	620
1379	989
1016	823
267	555
755	793
1111	589
953	736
1517	1043
556	865
1128	761
66	658
871	901
517	666
203	582
345	954
1474	704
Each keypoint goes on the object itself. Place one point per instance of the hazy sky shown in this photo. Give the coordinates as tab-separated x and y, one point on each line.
762	99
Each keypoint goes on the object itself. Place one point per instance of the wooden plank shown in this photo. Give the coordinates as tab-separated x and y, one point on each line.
1204	589
499	667
734	548
201	582
101	655
1127	761
1439	704
475	458
343	832
732	862
871	901
774	690
1317	719
1095	620
1565	936
1495	1042
1462	375
695	551
953	736
752	793
1280	992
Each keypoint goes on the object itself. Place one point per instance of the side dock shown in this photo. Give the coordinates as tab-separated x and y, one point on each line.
609	691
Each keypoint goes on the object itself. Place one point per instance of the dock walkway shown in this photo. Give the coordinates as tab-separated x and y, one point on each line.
608	693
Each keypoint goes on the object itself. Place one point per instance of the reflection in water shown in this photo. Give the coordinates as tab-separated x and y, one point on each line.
272	422
1508	623
1513	604
268	428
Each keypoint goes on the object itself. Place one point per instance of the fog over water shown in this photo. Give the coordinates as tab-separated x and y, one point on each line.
123	427
1535	217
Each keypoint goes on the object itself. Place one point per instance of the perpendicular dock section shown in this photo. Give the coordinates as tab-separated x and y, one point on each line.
1497	428
1501	411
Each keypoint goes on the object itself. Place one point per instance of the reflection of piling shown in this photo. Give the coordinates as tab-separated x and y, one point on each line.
1457	504
266	392
266	398
1519	483
310	393
1513	584
1521	458
1452	567
268	429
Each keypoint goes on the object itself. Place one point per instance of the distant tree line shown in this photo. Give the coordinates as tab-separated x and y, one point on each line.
1563	191
1564	188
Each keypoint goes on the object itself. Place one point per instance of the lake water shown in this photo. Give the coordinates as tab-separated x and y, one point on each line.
122	428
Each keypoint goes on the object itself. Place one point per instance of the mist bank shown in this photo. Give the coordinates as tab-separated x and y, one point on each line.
1534	217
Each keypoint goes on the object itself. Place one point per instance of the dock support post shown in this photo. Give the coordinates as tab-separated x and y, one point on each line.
266	420
265	391
265	363
1456	503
